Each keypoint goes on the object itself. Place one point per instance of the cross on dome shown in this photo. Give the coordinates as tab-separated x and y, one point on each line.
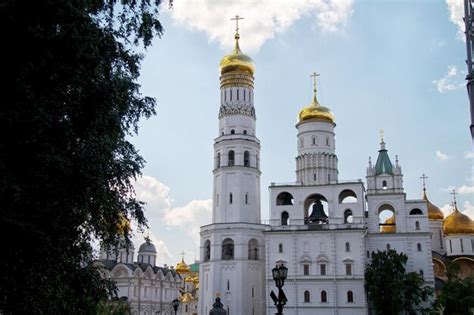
423	178
236	19
454	193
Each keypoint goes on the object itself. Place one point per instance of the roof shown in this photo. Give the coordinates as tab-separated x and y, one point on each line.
383	165
110	264
194	267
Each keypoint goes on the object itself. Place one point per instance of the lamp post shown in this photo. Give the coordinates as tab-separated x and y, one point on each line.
175	304
279	275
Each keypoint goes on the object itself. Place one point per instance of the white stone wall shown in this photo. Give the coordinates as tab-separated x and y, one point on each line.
459	245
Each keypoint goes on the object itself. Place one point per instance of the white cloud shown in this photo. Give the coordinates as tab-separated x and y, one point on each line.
447	209
262	18
442	156
469	155
456	14
465	189
469	209
163	254
450	81
154	193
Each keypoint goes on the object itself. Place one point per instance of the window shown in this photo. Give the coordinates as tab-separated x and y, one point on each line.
246	198
217	200
350	297
416	212
218	160
462	246
348	247
421	272
322	269
450	246
441	240
307	297
306	269
245	132
231	158
388	246
230	198
417	225
231	94
246	158
418	247
327	142
253	249
186	307
472	244
280	248
253	288
284	199
245	93
207	250
368	254
284	218
237	94
225	95
232	132
228	249
348	218
314	140
228	285
314	176
384	184
324	296
348	270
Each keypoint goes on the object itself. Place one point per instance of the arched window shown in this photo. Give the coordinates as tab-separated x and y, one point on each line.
218	160
207	250
348	218
307	297
253	249
228	285
348	247
280	248
245	132
246	158
387	219
418	247
284	199
231	94
384	184
284	218
314	140
230	198
416	212
228	249
246	198
347	196
327	142
232	132
324	296
237	94
231	158
388	246
417	225
350	296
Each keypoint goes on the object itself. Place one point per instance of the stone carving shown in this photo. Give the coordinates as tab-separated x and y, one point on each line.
237	110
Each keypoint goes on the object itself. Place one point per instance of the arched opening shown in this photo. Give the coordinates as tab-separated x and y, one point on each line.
284	199
387	221
207	250
247	158
316	209
280	248
284	218
218	160
417	225
348	218
245	132
348	247
324	296
416	211
418	247
388	247
350	296
253	249
384	184
347	196
228	249
232	132
307	296
231	158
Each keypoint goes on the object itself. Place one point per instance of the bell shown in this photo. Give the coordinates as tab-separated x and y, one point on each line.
318	215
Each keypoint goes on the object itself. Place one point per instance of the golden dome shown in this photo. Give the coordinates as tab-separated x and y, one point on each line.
458	223
434	213
123	226
188	279
237	61
186	298
196	279
315	110
389	228
181	267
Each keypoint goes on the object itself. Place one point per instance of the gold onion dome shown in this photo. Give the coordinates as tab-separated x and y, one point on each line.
389	228
188	279
458	223
434	213
315	110
237	61
181	267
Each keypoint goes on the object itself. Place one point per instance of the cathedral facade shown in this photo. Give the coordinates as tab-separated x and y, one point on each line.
322	228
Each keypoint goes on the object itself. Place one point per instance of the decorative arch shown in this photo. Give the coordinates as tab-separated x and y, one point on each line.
253	249
284	199
284	218
120	271
347	196
311	200
228	249
416	211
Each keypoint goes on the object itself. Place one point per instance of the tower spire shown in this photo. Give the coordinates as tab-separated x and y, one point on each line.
423	178
315	88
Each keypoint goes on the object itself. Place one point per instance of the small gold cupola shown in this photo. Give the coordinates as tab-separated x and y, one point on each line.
315	110
237	61
457	223
434	213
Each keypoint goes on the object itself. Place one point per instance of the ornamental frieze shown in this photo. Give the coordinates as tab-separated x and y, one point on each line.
237	110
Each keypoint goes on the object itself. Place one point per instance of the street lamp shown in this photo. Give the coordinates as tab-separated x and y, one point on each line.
279	275
175	304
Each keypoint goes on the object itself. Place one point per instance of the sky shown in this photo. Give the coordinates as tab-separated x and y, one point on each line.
392	65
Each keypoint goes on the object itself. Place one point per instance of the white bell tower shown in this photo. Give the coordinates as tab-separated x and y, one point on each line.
232	247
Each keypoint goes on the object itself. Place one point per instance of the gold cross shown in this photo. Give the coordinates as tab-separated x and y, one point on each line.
314	76
236	19
454	193
381	135
423	177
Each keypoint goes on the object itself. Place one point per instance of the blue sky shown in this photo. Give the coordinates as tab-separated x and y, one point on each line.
392	65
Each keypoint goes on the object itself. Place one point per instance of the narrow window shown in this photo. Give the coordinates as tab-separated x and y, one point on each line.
368	254
284	218
388	246
348	247
186	308
472	245
231	94
441	241
307	297
450	246
322	269
384	184
329	177
306	269
421	272
245	132
207	250
230	198
253	292
350	297
247	158
314	176
228	285
324	297
225	95
418	247
245	93
246	198
348	270
217	200
231	157
314	140
280	248
327	141
218	159
237	94
462	246
417	225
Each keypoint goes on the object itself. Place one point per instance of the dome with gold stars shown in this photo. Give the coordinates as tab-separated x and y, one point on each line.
237	61
434	213
181	267
315	110
458	223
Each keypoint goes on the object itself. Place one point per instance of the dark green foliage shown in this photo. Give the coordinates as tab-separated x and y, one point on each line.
390	289
66	166
457	295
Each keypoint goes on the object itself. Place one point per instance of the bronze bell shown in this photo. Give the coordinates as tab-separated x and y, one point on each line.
318	215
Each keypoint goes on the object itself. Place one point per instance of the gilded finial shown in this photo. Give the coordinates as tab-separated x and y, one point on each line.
315	89
237	35
182	255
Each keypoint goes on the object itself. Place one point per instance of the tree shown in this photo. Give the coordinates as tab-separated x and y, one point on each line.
457	295
66	164
390	289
